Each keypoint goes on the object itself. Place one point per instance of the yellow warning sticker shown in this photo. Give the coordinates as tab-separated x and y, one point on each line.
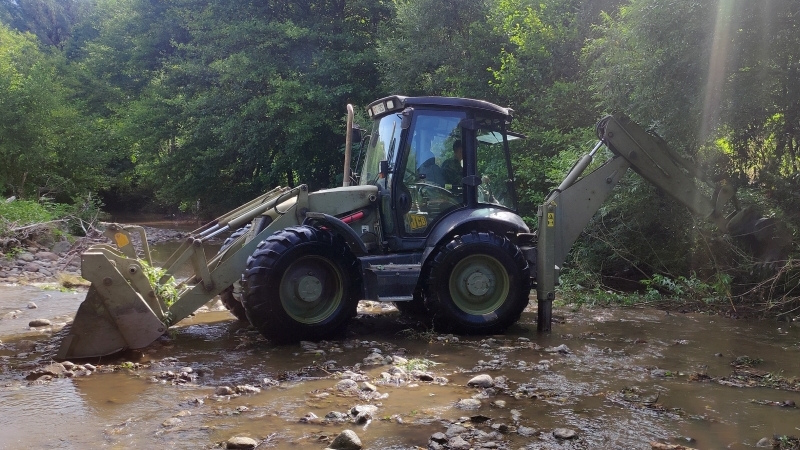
551	220
417	221
121	239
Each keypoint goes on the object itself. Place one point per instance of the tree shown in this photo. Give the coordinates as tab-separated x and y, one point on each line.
440	48
42	137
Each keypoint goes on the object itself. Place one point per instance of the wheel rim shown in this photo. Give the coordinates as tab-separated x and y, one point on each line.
311	289
479	284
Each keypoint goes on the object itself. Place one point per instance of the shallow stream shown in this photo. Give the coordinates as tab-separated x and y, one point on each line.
618	378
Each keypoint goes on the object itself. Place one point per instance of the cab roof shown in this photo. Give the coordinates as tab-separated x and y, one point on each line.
399	102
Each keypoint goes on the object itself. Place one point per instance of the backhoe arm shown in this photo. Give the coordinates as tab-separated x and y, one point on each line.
568	209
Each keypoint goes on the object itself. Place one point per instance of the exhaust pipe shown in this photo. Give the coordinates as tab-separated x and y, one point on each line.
348	145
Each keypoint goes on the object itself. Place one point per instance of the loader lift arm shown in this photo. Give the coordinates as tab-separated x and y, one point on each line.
568	209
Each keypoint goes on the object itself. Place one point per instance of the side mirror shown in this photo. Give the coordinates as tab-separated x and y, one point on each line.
405	121
358	134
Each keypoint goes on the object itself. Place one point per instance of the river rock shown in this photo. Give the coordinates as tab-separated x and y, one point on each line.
53	370
369	387
241	442
346	385
171	422
364	413
468	404
564	433
399	360
563	349
25	256
346	440
32	305
224	390
455	430
439	438
35	323
47	256
375	359
526	431
61	247
764	442
336	416
458	443
31	267
481	381
247	389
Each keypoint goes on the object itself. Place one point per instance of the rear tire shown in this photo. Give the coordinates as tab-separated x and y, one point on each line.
302	283
477	284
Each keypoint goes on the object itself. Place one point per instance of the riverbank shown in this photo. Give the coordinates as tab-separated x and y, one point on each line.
60	262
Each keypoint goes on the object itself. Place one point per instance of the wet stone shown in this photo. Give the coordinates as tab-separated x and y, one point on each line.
171	422
439	437
764	443
241	442
364	413
51	370
526	431
455	430
563	349
309	418
481	381
337	416
224	390
374	359
36	323
399	360
468	404
458	443
346	440
32	305
346	385
247	389
564	433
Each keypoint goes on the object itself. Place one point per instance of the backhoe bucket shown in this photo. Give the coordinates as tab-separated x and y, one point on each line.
769	239
113	317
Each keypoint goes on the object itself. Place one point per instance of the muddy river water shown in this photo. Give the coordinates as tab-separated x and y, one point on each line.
615	378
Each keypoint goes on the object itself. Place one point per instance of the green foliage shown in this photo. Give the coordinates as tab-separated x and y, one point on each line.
25	212
440	48
682	288
167	292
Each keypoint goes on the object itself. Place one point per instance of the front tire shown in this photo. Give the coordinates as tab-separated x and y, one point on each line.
302	283
477	284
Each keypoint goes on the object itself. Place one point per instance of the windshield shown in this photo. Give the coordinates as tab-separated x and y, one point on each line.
383	145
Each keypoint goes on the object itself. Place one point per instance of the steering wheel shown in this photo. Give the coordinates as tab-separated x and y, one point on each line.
437	193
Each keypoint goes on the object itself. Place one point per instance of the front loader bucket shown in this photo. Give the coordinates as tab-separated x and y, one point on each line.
113	317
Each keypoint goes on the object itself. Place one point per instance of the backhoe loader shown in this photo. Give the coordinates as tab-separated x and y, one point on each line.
399	230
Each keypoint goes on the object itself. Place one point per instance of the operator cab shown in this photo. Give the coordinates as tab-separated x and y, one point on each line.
431	156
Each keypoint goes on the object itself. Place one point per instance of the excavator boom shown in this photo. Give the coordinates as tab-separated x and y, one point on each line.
568	209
